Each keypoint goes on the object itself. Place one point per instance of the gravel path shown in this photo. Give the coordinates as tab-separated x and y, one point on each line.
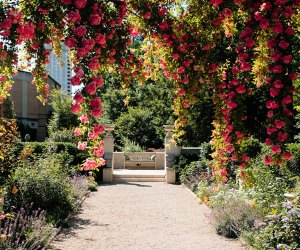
141	216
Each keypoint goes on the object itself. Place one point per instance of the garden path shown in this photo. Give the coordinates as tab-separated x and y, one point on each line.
142	216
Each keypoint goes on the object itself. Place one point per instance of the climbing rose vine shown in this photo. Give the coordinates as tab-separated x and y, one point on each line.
226	48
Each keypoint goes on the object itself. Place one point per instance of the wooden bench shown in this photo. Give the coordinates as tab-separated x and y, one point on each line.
139	160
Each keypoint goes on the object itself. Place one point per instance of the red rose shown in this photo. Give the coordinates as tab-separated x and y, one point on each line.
66	1
287	59
80	4
96	103
74	17
91	88
278	28
96	112
283	44
70	42
287	100
94	64
95	19
272	105
88	44
275	57
78	97
274	92
75	108
81	31
75	81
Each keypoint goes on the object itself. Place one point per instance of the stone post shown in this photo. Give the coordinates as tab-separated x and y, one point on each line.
172	150
108	153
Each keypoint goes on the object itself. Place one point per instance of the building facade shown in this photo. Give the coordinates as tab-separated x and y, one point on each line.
60	68
29	111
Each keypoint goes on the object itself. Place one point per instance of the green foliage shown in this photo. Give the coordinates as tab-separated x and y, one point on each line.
64	135
137	125
131	146
194	172
41	183
68	151
62	117
8	138
199	118
282	230
294	164
251	147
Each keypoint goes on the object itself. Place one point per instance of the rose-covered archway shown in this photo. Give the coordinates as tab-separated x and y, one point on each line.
229	48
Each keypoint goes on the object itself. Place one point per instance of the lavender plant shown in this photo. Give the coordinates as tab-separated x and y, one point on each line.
25	230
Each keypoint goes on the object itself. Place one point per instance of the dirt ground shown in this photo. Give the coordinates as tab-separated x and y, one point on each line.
141	216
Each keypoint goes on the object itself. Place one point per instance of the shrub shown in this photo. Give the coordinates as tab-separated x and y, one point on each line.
25	230
232	213
131	146
294	164
8	139
68	151
65	135
252	147
136	125
282	229
194	172
44	184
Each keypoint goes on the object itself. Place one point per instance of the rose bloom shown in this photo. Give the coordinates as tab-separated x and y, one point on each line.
74	17
282	136
96	102
95	19
94	64
91	88
66	1
81	31
99	129
80	4
96	112
223	171
98	151
78	97
70	42
287	156
287	59
278	27
283	44
75	81
272	105
84	118
90	165
77	132
88	44
75	108
81	145
268	160
274	92
147	15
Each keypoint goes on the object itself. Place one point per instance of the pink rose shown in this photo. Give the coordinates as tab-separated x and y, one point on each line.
275	57
67	2
98	151
81	145
282	137
276	149
287	59
147	15
78	97
271	130
162	11
287	155
81	31
223	171
185	80
277	84
94	64
74	17
289	31
287	100
101	40
77	132
96	112
84	118
270	114
91	88
90	165
264	24
75	81
241	89
99	129
75	108
279	124
70	42
278	28
88	44
283	44
272	105
274	92
96	102
268	160
95	19
80	4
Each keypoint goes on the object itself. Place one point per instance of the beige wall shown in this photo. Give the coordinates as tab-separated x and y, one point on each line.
27	107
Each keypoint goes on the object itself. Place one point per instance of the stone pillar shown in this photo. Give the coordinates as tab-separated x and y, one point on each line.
172	150
108	153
